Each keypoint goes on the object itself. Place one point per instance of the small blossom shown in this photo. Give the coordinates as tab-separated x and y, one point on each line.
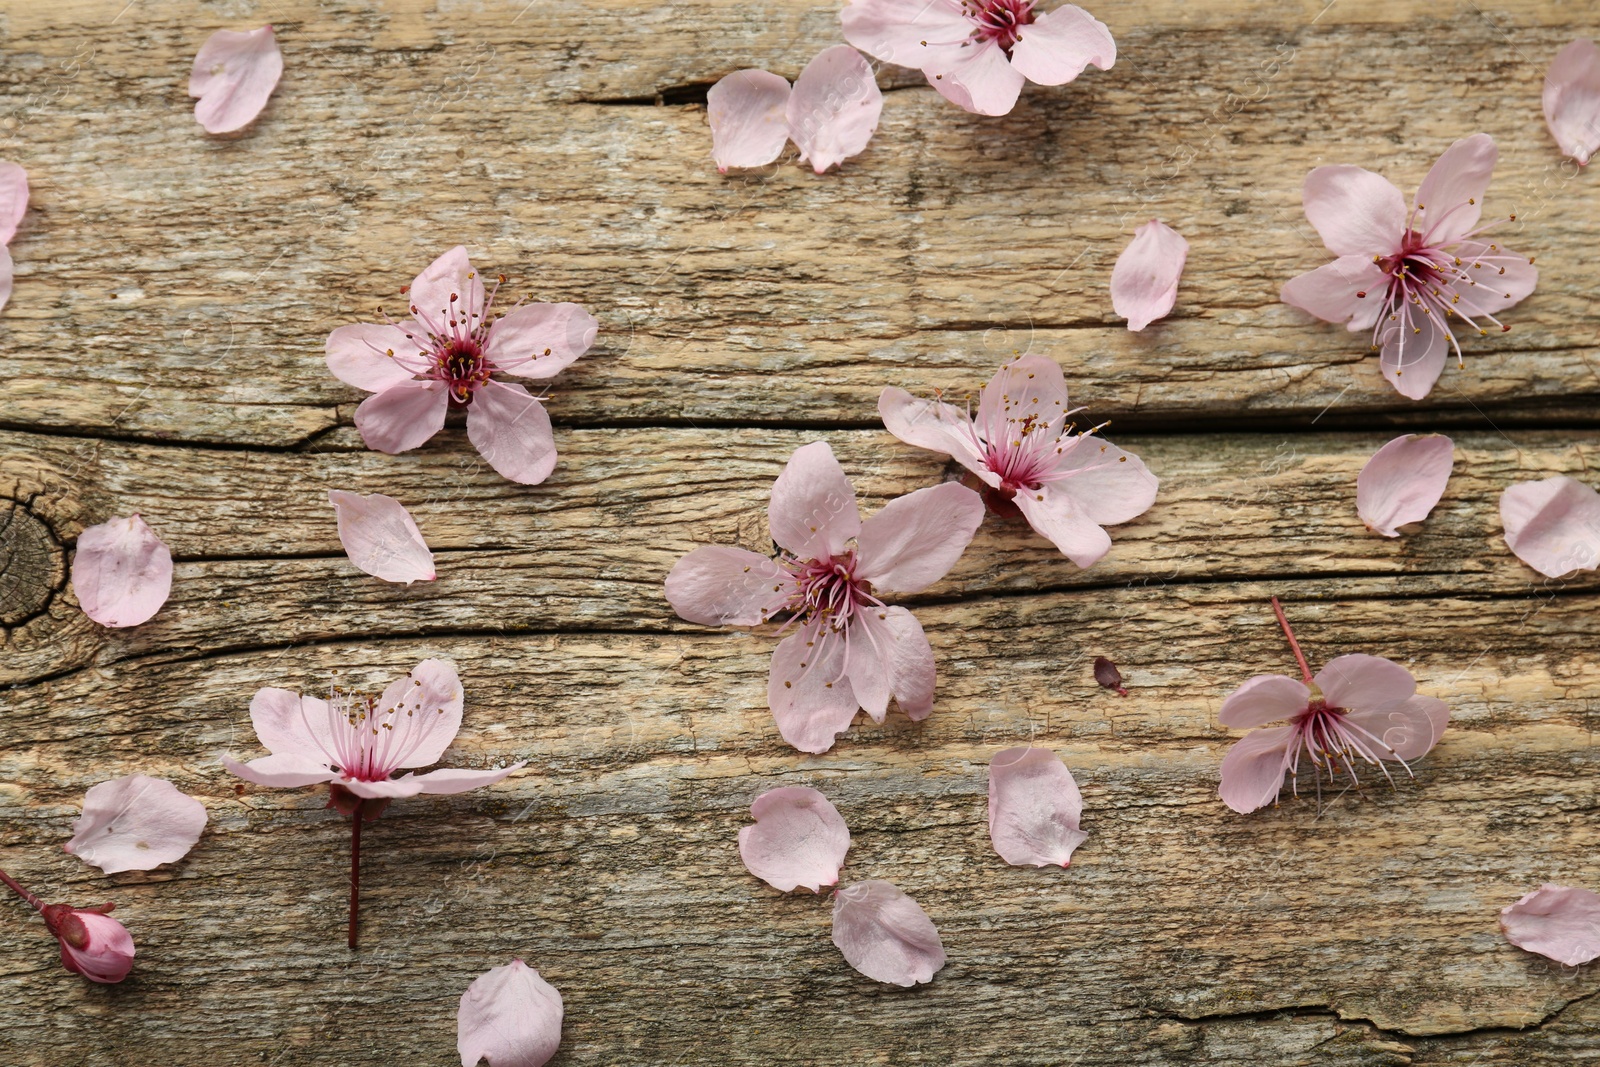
136	824
885	934
509	1016
1034	808
381	538
1572	99
121	572
831	114
1144	283
234	74
1557	921
93	944
1553	525
799	839
1403	481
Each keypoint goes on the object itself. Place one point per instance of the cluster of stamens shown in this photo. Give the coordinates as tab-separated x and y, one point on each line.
1332	742
454	349
999	21
825	591
1024	447
369	741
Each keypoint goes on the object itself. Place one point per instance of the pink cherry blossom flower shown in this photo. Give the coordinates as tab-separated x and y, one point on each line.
799	839
444	356
93	944
356	743
1403	481
1553	526
136	824
979	53
509	1016
1144	283
234	74
1034	808
1405	276
13	205
381	538
831	115
1031	458
1358	708
1572	99
848	649
885	934
1557	921
121	572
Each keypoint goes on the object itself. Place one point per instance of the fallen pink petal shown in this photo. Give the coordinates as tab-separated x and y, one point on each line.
122	572
13	199
1403	481
92	943
509	1016
1144	282
136	823
799	839
234	74
1553	525
834	108
1572	99
748	118
381	538
885	934
1557	921
1034	808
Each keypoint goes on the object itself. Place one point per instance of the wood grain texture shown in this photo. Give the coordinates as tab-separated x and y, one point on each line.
162	354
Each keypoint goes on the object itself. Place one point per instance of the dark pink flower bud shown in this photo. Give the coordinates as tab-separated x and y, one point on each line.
93	944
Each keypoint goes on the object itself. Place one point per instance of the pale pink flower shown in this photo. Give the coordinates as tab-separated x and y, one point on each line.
747	112
1557	921
1034	808
13	205
1405	275
1403	481
885	934
799	839
1553	525
848	649
121	572
979	53
1022	446
1357	708
234	74
444	356
1144	282
831	114
136	824
509	1016
381	538
93	944
1572	99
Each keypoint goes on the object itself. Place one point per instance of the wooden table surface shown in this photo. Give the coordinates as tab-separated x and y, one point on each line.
163	354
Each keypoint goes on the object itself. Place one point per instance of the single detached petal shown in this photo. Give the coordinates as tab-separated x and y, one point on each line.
1414	353
1403	481
122	572
749	123
911	669
510	1017
13	199
1361	682
1557	921
380	537
234	74
511	429
447	780
978	78
808	690
1554	525
885	934
799	839
1572	99
7	269
813	509
1254	768
288	724
448	296
365	355
1059	44
911	33
281	772
930	424
1263	699
431	699
1350	289
1450	198
1408	730
136	824
716	585
1034	808
1144	283
541	340
403	416
834	109
917	538
1355	211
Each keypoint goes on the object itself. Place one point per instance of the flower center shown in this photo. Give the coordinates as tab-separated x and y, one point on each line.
998	20
369	741
462	364
827	590
1020	454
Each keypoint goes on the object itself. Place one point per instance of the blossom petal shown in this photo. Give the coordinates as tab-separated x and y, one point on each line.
1034	808
799	839
1403	481
930	424
1557	921
1553	525
978	78
541	340
281	772
426	707
1263	699
1144	283
1355	211
460	779
363	355
380	537
813	510
885	934
1109	484
1414	351
122	572
288	724
407	785
1350	289
834	109
1359	682
1450	198
1029	387
1499	279
911	33
511	429
1059	518
749	127
7	270
403	416
867	663
448	295
1572	99
1254	768
1059	44
136	824
1409	729
808	690
912	675
917	538
510	1017
716	585
13	199
234	74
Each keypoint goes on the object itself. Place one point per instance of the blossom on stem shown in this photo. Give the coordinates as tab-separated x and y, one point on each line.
93	944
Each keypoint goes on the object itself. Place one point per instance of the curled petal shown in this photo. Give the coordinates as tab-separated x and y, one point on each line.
1355	211
234	74
1144	283
1409	729
510	1017
367	355
427	707
978	78
1350	289
122	572
1034	808
834	109
1450	198
813	509
447	780
1557	921
799	839
511	429
917	538
1254	768
808	689
281	772
885	934
380	537
1553	525
1263	699
13	199
1059	44
541	340
716	585
1362	682
136	824
1403	481
749	125
1572	99
930	424
1413	355
403	416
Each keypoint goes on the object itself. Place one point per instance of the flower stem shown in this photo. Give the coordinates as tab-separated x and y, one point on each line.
1298	655
355	873
38	905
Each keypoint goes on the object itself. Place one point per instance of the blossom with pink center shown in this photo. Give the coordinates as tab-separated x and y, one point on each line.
848	649
979	53
1022	445
445	355
93	944
1406	276
1358	708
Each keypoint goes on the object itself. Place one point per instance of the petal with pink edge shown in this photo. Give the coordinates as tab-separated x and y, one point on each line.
1110	485
1557	921
510	1017
1061	519
1553	525
1350	289
911	33
1572	99
1359	682
1403	481
813	510
930	424
7	270
917	538
1263	699
288	724
136	824
749	126
403	416
367	355
448	780
1408	730
978	78
234	74
799	839
1028	388
912	675
426	705
13	199
281	772
1450	198
511	429
541	340
1034	808
1059	44
1144	283
1414	351
448	295
885	934
1500	278
834	109
716	585
122	572
380	537
808	690
1355	211
1254	768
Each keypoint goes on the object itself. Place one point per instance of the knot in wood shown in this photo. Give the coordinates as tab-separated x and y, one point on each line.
32	564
